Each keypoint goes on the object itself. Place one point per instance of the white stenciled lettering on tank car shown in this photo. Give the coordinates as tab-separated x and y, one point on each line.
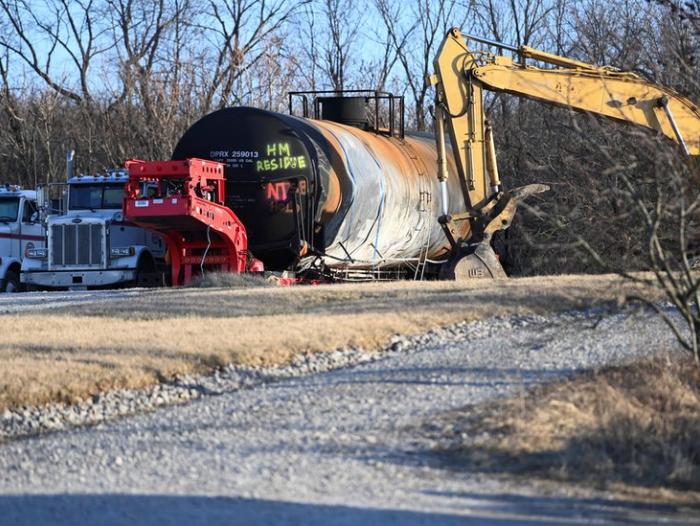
248	154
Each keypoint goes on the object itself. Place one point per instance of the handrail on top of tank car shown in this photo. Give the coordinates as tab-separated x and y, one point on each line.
377	95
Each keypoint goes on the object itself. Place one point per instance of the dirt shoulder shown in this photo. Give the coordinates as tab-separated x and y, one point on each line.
633	429
74	350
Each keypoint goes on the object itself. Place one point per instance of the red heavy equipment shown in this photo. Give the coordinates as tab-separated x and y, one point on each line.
183	200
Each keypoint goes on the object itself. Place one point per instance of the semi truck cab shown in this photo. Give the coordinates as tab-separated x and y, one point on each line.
91	245
20	232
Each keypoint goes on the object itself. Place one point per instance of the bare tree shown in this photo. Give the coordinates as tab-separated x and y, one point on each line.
415	35
272	77
71	28
139	28
686	10
674	55
149	45
328	35
648	195
307	45
343	23
560	30
237	39
377	72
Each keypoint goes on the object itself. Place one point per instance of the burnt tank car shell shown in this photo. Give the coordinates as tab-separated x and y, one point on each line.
318	188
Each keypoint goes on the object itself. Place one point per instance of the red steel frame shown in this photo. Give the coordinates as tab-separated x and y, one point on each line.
186	205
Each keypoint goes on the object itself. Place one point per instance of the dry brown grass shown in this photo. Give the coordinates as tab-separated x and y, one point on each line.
230	280
632	428
133	342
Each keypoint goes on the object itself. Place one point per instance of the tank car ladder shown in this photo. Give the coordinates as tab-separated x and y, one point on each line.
183	201
424	229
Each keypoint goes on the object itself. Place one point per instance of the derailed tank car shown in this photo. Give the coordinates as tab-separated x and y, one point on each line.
337	195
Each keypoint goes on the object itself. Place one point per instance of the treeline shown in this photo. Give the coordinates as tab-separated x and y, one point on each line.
118	79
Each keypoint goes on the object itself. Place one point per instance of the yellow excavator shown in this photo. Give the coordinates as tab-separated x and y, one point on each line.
460	78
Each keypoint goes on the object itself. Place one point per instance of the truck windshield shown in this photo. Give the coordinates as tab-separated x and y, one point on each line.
9	206
95	196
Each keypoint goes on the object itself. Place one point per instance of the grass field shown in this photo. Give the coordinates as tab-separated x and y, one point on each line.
74	351
634	429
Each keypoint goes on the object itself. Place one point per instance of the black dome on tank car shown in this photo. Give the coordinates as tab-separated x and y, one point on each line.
273	182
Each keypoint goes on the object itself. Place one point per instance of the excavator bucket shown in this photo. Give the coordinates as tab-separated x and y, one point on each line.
478	260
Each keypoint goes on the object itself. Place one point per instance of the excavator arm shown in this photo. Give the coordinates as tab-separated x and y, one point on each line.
461	76
618	95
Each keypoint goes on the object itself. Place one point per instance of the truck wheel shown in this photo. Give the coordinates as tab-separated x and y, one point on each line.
10	283
146	273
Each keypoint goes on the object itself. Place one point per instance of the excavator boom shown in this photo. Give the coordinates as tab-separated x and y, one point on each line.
460	78
617	95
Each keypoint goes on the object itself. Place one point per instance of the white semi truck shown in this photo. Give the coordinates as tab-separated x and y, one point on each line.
21	232
91	245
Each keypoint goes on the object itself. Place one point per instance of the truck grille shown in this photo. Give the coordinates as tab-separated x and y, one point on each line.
76	244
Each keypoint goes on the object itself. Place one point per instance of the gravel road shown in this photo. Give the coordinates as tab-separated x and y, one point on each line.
55	301
336	447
